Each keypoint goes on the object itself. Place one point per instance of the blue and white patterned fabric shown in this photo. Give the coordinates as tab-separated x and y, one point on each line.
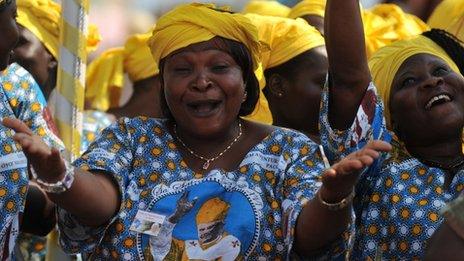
254	207
19	98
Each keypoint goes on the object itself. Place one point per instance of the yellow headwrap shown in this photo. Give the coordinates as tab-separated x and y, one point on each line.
308	7
194	23
270	8
387	23
449	16
105	75
286	38
42	18
384	64
212	210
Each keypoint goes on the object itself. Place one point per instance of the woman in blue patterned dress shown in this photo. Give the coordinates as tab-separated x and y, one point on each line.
397	201
204	183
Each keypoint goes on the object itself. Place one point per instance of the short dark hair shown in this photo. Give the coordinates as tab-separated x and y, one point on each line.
242	57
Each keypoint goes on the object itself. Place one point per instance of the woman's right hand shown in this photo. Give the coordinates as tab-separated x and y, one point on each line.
47	162
339	180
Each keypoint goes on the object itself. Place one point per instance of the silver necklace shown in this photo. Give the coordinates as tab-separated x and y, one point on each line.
208	161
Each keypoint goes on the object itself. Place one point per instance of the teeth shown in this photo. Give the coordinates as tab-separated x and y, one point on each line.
437	98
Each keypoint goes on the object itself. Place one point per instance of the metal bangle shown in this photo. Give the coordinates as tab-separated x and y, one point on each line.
60	186
339	205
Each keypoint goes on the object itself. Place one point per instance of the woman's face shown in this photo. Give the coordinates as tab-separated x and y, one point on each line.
8	33
300	102
204	88
427	99
31	54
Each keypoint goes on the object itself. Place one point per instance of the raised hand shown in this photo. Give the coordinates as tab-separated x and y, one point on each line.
339	180
46	161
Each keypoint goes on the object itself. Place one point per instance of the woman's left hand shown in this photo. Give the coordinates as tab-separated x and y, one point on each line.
339	180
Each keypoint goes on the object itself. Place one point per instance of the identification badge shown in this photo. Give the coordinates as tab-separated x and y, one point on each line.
147	223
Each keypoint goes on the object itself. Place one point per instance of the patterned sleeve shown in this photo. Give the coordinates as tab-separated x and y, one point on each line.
369	124
111	153
300	184
28	104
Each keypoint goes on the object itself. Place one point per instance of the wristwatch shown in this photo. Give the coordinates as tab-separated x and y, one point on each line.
59	186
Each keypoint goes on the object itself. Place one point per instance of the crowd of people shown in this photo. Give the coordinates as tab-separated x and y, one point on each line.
322	131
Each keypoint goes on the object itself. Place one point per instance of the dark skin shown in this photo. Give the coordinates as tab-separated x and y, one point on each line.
204	89
316	21
420	78
145	100
31	54
8	33
294	98
445	244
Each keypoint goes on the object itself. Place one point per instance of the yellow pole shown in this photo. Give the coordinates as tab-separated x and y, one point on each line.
70	86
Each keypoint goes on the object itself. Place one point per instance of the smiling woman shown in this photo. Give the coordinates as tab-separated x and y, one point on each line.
420	82
204	183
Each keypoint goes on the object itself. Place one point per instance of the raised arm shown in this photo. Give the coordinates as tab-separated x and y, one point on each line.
348	69
93	197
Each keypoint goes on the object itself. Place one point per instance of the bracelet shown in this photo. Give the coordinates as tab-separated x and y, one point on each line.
59	186
339	205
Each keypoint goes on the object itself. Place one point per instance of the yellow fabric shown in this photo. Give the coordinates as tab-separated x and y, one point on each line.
449	16
387	23
105	75
384	64
194	23
212	210
270	8
308	7
286	38
42	18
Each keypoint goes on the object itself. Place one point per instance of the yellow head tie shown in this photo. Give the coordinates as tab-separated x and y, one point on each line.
449	16
384	64
286	38
194	23
270	8
212	210
42	18
105	75
308	7
387	23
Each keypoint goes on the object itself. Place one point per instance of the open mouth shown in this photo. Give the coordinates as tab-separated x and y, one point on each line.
437	100
204	107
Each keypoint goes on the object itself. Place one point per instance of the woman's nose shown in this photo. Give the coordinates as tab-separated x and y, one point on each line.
433	81
202	82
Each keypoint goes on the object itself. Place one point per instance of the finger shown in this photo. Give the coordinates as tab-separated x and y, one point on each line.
379	145
366	160
346	167
369	152
16	125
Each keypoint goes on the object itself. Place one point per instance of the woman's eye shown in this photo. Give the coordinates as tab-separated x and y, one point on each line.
408	82
440	71
181	69
220	68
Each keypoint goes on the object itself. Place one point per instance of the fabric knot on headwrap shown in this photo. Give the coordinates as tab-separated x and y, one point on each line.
105	75
194	23
449	16
308	7
385	63
42	18
270	8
